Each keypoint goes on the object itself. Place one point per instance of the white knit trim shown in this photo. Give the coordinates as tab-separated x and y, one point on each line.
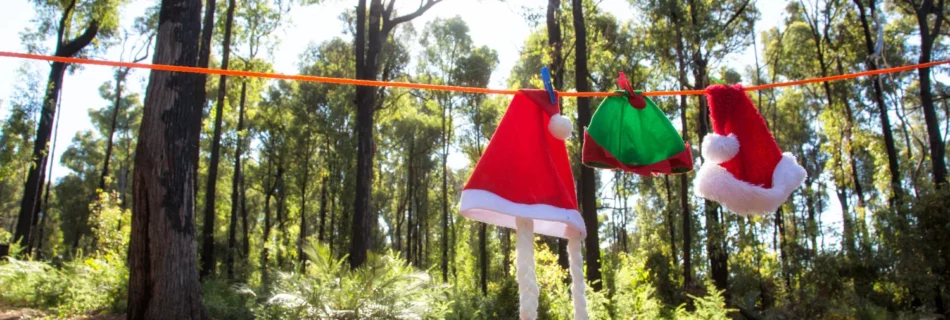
577	279
713	182
527	278
488	207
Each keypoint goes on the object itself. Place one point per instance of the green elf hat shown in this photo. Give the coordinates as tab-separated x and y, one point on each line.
631	133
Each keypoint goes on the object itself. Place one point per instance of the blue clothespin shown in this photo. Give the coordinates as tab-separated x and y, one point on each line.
546	78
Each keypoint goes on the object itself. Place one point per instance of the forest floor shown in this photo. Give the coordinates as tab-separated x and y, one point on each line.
12	313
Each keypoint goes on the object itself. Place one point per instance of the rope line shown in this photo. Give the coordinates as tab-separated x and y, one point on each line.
398	84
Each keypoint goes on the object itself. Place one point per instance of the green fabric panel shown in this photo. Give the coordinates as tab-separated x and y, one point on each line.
634	137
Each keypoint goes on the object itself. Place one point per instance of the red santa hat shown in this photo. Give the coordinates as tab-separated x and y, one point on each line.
524	181
745	170
525	172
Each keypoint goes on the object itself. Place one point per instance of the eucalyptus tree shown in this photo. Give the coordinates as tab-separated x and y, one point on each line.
74	24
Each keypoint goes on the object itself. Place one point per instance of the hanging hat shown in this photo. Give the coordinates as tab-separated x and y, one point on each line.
634	139
525	172
524	181
745	170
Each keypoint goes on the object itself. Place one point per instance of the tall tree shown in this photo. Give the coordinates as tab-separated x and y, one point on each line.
207	231
931	16
369	39
163	279
78	25
236	181
587	190
873	56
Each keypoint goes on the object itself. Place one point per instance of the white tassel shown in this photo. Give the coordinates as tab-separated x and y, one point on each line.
577	279
527	279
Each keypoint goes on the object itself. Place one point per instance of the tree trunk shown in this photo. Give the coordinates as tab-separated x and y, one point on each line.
715	235
927	40
892	164
207	234
281	205
587	185
780	226
555	44
235	187
366	69
670	220
302	235
323	196
163	283
120	76
445	191
265	251
41	224
33	187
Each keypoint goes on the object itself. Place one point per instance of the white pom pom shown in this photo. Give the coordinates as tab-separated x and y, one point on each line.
561	127
719	149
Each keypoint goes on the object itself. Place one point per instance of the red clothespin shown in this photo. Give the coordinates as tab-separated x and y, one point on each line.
635	99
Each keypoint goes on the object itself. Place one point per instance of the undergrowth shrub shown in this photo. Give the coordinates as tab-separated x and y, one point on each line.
384	288
94	284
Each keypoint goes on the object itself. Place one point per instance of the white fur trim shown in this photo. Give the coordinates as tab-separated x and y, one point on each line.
487	207
719	149
713	182
560	127
577	279
527	278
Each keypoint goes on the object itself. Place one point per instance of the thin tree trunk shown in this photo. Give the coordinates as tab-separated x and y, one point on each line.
587	184
715	235
302	235
120	76
927	40
445	192
163	279
892	162
207	234
41	225
670	223
235	187
281	206
33	186
265	252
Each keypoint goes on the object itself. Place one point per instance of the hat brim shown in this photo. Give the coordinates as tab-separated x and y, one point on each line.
488	207
713	182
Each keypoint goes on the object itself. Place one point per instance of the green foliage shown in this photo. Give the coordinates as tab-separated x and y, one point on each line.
384	288
96	284
710	307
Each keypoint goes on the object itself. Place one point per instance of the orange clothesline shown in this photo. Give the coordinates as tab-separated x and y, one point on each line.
375	83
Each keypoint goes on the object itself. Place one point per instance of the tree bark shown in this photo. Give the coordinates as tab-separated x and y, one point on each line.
235	188
302	235
163	282
207	234
265	251
367	48
892	163
445	190
120	76
670	219
928	37
587	185
555	44
715	235
33	187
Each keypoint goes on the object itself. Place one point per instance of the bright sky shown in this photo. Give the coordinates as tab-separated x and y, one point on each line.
494	23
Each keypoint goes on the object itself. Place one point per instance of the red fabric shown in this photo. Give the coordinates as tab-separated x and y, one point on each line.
523	162
594	156
732	111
